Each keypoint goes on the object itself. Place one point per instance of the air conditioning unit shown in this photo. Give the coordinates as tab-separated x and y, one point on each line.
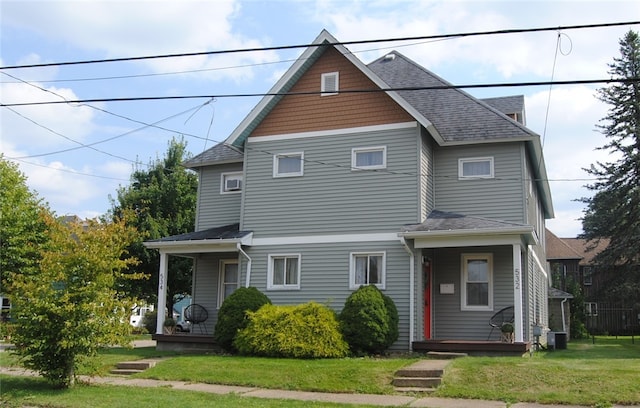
232	184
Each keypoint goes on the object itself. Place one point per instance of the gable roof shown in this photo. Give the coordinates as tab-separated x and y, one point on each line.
506	104
558	249
452	116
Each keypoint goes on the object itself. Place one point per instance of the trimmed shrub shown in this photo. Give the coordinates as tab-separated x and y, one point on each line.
309	330
232	315
149	321
369	321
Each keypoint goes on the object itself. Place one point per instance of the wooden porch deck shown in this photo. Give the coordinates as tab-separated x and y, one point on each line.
185	342
473	347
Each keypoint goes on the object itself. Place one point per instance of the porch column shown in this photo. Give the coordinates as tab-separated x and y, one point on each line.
517	293
162	291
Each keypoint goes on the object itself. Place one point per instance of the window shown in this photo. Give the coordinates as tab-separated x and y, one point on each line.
283	272
369	158
288	164
229	278
367	269
329	84
230	183
591	308
477	276
475	167
587	275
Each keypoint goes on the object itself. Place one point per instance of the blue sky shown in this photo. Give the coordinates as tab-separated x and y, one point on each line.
47	140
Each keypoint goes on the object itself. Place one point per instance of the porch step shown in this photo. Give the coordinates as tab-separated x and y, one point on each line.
133	367
444	355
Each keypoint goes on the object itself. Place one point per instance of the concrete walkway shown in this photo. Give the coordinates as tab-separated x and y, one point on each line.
366	399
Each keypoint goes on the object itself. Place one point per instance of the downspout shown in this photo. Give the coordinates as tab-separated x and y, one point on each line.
564	325
412	273
248	280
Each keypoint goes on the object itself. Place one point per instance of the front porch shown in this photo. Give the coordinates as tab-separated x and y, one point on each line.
186	342
473	347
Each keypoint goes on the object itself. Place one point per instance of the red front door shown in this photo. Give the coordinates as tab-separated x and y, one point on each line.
426	279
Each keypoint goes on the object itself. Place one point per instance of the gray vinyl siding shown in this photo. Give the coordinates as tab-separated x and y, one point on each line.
426	175
450	322
498	198
324	276
206	286
330	197
215	209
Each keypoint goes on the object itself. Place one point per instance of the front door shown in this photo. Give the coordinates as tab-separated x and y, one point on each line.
426	283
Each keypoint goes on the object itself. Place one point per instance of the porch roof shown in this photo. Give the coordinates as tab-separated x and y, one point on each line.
442	229
217	239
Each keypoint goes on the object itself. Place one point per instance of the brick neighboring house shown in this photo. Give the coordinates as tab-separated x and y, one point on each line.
350	174
570	260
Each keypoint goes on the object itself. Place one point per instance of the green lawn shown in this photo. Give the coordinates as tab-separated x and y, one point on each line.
603	373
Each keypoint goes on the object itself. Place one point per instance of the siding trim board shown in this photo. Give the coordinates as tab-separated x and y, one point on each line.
325	239
333	132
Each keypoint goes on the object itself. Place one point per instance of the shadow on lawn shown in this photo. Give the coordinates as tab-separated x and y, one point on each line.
598	348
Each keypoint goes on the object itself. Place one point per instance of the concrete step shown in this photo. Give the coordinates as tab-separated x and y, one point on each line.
408	372
125	371
136	365
442	355
420	382
414	389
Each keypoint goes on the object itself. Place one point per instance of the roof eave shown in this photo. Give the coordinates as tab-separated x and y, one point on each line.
472	237
200	245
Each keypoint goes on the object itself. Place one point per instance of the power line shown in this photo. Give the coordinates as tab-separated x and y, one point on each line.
348	91
287	47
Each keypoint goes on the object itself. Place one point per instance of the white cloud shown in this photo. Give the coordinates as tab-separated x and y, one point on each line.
140	28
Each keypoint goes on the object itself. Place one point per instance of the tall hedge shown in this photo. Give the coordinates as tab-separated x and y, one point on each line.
369	321
309	330
232	315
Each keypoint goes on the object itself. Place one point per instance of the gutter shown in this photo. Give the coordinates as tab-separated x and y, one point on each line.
248	280
412	273
564	324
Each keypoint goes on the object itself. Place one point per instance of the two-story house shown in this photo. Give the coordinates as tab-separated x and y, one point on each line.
384	174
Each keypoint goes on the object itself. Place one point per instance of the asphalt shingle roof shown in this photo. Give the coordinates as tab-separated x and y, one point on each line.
225	232
448	221
218	154
506	104
455	114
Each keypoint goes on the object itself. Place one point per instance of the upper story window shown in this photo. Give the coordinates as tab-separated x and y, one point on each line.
475	167
369	158
329	84
587	275
288	164
367	268
283	272
477	278
230	183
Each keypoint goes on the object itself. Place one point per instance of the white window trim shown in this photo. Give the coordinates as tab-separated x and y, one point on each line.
230	175
323	83
591	308
270	285
461	162
463	281
352	269
357	150
221	281
276	172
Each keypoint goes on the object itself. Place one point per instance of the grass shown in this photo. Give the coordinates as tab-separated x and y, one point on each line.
603	373
597	374
26	391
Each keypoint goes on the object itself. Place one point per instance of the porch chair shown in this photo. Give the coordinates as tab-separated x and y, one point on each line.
501	317
196	315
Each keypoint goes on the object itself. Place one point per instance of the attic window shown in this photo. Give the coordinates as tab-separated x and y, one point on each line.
475	168
329	84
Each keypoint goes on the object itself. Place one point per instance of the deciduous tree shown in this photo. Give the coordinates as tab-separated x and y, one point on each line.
70	309
163	197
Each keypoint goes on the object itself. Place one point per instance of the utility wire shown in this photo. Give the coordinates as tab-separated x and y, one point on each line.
348	91
287	47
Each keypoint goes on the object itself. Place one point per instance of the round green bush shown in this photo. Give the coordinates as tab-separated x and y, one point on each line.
308	330
369	321
232	315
